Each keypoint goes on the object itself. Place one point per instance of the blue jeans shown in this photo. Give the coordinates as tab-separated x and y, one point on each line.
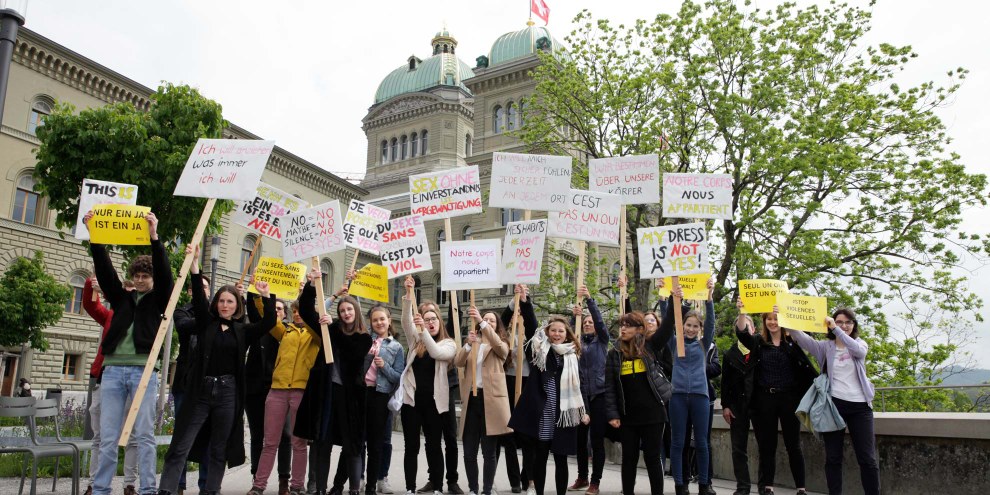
691	408
180	398
120	383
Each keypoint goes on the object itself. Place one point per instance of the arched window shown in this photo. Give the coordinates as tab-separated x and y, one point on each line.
384	151
76	282
498	119
467	145
26	201
327	277
246	248
395	150
404	149
468	232
398	291
418	287
414	142
441	237
522	112
510	121
440	295
42	106
616	270
424	143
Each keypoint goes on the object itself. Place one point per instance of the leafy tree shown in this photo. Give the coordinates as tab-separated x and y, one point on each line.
844	182
123	144
30	300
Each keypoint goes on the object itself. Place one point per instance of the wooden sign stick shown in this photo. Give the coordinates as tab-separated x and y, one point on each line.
580	269
473	358
517	330
622	258
247	267
353	266
678	318
454	312
322	310
156	347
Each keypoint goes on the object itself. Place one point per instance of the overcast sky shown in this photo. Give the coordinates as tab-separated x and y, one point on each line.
305	72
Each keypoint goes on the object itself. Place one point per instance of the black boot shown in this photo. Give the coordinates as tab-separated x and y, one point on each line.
706	490
681	490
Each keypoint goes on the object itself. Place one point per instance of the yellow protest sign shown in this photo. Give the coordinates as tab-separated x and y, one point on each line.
805	313
695	286
371	282
283	280
760	295
120	225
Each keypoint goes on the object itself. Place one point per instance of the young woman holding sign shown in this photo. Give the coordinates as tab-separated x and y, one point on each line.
425	390
383	366
783	375
594	346
843	357
518	478
551	405
485	414
216	384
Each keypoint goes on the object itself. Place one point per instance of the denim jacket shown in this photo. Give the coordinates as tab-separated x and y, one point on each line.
395	361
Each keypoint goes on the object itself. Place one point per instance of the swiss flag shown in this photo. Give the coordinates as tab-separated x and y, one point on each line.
539	7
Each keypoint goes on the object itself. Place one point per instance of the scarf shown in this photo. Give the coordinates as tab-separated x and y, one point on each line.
571	403
742	348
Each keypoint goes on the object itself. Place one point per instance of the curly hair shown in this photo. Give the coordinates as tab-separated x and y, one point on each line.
141	264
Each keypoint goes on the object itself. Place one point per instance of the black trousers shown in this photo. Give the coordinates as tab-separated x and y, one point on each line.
350	402
474	435
449	423
596	430
377	411
319	464
768	410
517	477
739	436
859	420
254	407
541	454
650	437
423	417
216	404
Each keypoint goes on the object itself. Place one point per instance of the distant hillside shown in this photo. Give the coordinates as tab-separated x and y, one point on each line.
971	377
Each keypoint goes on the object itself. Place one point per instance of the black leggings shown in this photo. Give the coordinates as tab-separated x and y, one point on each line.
541	453
423	416
512	441
375	432
859	420
649	437
768	409
596	430
475	434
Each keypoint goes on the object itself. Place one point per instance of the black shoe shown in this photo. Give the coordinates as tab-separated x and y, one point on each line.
453	489
706	490
337	490
740	491
427	488
517	489
164	492
681	490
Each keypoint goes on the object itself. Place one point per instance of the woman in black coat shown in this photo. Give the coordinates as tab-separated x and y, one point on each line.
216	384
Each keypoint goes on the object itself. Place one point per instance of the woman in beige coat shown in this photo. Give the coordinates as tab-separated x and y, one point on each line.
484	399
425	394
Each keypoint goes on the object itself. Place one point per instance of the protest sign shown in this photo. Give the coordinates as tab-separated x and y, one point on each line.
445	194
590	216
673	251
98	192
697	196
371	282
361	226
283	280
311	232
470	264
695	286
530	182
522	255
120	225
635	179
261	214
224	169
760	295
804	313
404	247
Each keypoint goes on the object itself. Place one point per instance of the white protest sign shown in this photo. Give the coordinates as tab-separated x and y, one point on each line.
98	192
530	182
404	247
445	194
635	178
311	232
697	196
522	252
361	226
673	251
590	216
224	169
261	214
470	264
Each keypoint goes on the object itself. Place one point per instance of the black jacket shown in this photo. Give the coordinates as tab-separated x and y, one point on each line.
713	370
261	355
185	326
145	315
804	372
738	374
615	402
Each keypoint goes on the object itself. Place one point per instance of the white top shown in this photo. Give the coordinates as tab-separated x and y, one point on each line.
481	358
845	382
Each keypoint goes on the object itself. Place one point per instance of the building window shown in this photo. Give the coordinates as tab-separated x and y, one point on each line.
424	142
468	233
246	248
398	291
414	141
395	150
404	149
384	151
467	145
511	215
71	364
418	287
441	295
74	304
441	237
327	277
42	107
26	201
510	121
498	118
522	112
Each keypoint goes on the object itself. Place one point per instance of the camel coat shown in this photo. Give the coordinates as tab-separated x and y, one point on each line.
442	352
492	379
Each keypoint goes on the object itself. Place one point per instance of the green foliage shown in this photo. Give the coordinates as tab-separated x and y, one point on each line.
123	144
30	300
845	185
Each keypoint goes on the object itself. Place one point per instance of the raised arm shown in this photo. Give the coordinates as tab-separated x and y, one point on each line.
857	347
596	316
709	337
255	330
91	303
814	347
666	330
161	267
440	351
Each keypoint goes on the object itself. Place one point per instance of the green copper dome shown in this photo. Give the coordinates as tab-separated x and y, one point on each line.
520	44
441	69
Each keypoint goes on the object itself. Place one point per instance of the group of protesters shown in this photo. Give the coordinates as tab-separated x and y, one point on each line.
254	356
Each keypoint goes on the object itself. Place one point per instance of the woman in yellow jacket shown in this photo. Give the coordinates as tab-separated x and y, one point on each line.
298	347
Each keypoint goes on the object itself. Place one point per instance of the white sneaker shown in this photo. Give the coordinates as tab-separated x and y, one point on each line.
383	486
471	492
410	492
531	491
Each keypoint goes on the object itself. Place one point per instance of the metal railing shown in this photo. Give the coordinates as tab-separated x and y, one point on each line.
881	391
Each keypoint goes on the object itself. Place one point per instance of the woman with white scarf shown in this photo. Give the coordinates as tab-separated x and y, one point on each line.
551	405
